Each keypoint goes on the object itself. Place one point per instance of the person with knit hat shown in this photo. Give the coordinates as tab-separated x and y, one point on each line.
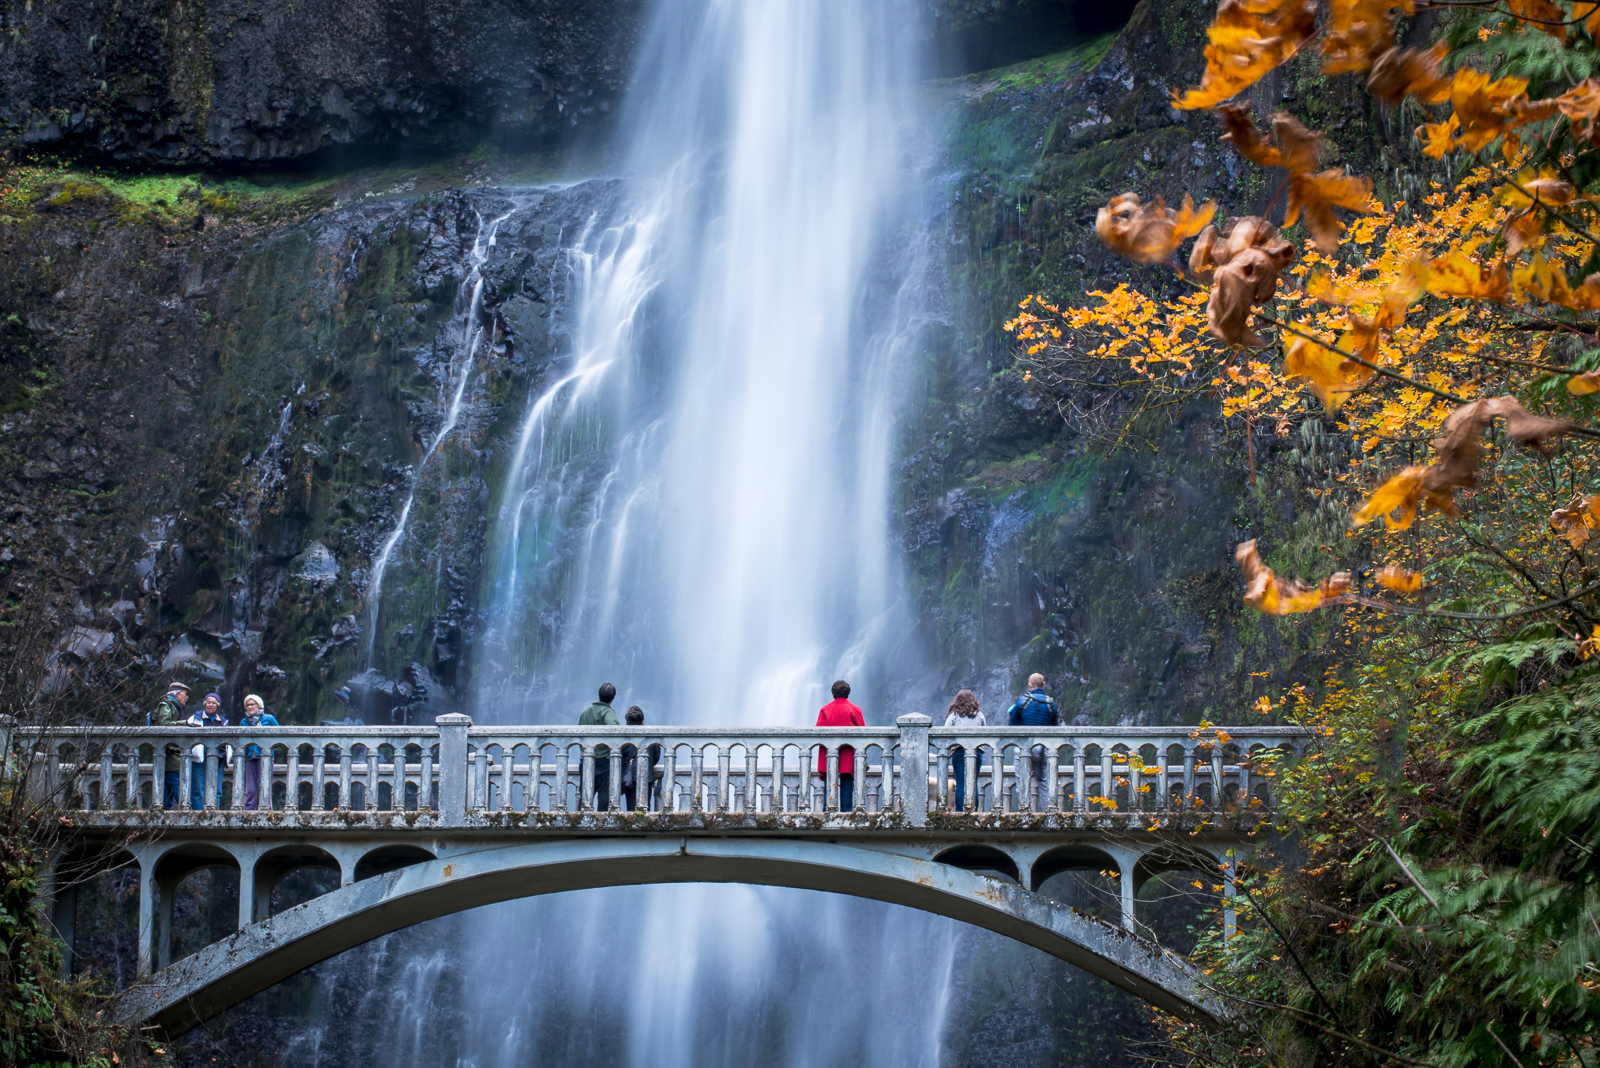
169	713
255	715
208	715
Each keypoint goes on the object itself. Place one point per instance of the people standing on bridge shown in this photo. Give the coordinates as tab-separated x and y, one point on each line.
208	715
169	713
630	761
255	715
1036	709
841	713
601	714
964	713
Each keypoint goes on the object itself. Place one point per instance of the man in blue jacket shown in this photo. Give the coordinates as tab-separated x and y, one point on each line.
1036	709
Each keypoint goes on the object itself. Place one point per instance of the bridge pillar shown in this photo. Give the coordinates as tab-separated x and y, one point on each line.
914	767
147	893
452	772
60	898
1230	915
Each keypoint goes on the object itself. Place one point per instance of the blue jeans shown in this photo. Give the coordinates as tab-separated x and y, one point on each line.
847	791
169	796
197	786
958	756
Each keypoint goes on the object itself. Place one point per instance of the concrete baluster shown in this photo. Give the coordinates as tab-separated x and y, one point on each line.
615	787
724	780
213	780
563	776
697	773
319	777
106	795
372	778
1080	784
453	769
1108	784
344	774
1230	914
1052	776
831	799
969	795
913	767
291	788
1135	802
805	801
425	778
941	782
752	785
237	803
586	779
1188	777
1216	778
642	781
669	779
779	790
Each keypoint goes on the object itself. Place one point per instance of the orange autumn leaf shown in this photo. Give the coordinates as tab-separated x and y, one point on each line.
1248	39
1331	375
1585	383
1357	33
1455	274
1460	449
1542	15
1402	72
1581	103
1399	579
1486	109
1577	519
1318	194
1545	279
1270	595
1149	233
1439	138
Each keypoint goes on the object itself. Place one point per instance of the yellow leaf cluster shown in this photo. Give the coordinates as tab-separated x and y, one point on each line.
1247	40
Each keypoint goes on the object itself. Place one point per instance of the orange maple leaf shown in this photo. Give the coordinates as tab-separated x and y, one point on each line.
1577	519
1402	72
1399	579
1581	103
1358	31
1331	375
1455	274
1270	595
1149	233
1541	14
1585	383
1248	39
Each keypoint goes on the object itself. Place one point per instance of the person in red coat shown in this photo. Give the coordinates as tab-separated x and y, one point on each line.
841	713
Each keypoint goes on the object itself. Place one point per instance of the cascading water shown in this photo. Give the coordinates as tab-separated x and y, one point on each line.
695	507
464	338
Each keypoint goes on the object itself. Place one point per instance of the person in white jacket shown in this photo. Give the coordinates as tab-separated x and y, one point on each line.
963	712
209	715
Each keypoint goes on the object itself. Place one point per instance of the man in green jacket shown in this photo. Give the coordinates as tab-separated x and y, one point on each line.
601	714
169	713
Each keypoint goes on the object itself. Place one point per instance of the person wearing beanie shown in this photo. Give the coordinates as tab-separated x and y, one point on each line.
169	713
255	715
208	715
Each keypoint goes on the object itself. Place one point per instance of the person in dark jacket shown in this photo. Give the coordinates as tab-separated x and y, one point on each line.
169	713
1036	709
841	713
630	766
601	714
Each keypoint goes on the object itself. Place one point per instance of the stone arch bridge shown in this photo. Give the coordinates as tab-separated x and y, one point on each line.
419	822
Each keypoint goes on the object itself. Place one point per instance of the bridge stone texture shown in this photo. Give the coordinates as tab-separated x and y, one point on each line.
420	822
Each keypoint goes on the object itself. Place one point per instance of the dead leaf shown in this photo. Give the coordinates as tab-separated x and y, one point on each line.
1460	449
1358	32
1581	103
1541	14
1272	596
1399	579
1149	233
1245	280
1202	265
1331	376
1318	194
1585	383
1247	40
1402	72
1577	519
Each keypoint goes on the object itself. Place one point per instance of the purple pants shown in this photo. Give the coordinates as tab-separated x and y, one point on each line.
252	782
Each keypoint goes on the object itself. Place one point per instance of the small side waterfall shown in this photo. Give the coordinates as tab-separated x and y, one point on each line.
464	337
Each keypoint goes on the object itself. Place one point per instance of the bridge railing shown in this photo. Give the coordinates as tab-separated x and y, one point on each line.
463	773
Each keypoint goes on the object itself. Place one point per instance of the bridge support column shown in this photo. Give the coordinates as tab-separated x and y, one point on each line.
1230	914
61	898
168	888
452	772
914	768
147	893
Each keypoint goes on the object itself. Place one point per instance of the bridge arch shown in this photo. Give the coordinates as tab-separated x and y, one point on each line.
199	986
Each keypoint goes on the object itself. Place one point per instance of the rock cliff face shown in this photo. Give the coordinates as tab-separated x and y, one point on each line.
233	80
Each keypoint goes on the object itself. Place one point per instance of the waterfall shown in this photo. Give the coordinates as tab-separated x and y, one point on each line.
695	506
463	337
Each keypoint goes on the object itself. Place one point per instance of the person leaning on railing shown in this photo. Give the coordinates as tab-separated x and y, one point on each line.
255	715
841	713
963	712
169	713
208	715
601	714
630	760
1036	709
